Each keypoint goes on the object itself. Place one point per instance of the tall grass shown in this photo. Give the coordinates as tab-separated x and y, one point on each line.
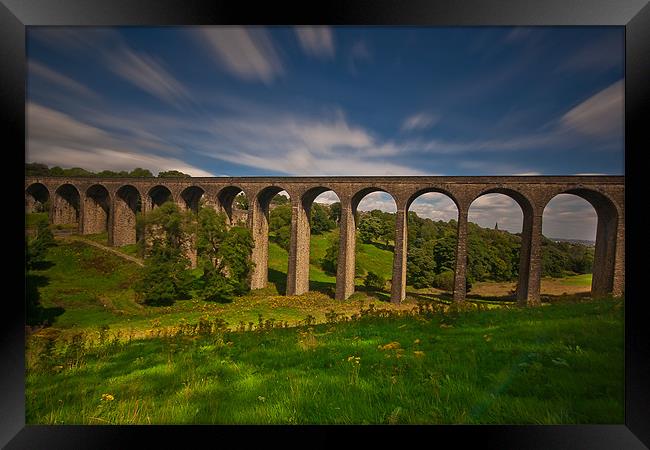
561	363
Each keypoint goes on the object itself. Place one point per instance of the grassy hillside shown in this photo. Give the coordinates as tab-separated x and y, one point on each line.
561	363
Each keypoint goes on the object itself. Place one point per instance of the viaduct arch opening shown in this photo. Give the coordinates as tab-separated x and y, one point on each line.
431	243
258	219
234	202
37	198
373	222
191	198
607	270
66	207
506	212
309	218
157	196
96	210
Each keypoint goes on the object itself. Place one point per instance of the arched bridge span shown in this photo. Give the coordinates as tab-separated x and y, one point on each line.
111	203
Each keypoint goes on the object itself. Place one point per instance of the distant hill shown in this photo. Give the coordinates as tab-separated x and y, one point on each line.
586	242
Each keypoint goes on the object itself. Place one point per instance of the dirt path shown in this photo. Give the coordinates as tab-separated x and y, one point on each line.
138	261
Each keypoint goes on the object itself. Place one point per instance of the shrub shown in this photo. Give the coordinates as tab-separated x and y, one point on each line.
445	280
374	282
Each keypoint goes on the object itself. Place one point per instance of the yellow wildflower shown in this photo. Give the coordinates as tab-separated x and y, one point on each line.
107	397
418	354
390	346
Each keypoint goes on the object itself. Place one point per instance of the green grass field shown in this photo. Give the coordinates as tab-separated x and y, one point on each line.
560	363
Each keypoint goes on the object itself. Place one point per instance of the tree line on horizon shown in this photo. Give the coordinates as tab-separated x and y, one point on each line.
42	170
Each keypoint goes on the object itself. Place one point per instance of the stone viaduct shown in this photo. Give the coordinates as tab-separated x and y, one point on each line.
111	204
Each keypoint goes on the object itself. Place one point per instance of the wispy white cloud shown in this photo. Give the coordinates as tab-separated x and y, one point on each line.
301	146
247	53
56	139
491	209
327	198
37	69
435	206
377	200
600	115
149	75
317	41
420	121
571	217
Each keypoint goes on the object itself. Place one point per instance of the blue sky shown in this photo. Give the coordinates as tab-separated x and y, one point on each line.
214	101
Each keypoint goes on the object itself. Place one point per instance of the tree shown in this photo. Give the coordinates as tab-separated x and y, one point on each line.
241	201
141	173
165	277
280	200
56	171
225	256
36	170
36	251
335	212
280	225
320	219
77	172
173	174
374	282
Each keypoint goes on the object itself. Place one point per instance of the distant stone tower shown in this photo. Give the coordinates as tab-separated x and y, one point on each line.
496	226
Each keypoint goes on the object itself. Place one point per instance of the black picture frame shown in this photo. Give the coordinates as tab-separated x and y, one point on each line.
634	15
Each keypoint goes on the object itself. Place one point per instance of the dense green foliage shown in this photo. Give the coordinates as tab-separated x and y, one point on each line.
280	225
36	250
42	170
280	221
376	226
241	201
173	174
223	255
375	282
165	277
320	219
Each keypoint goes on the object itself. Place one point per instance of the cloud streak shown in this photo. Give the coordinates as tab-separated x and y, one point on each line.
148	74
420	121
246	53
54	138
600	115
317	41
51	76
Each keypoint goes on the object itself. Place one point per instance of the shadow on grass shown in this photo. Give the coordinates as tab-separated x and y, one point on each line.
279	280
36	313
42	265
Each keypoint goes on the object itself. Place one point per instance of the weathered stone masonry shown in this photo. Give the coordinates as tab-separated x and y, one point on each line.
97	204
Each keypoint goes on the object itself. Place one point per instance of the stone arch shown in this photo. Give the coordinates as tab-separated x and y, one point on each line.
67	205
37	196
356	199
191	198
421	192
604	277
258	218
96	209
158	195
441	257
527	209
127	204
226	201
